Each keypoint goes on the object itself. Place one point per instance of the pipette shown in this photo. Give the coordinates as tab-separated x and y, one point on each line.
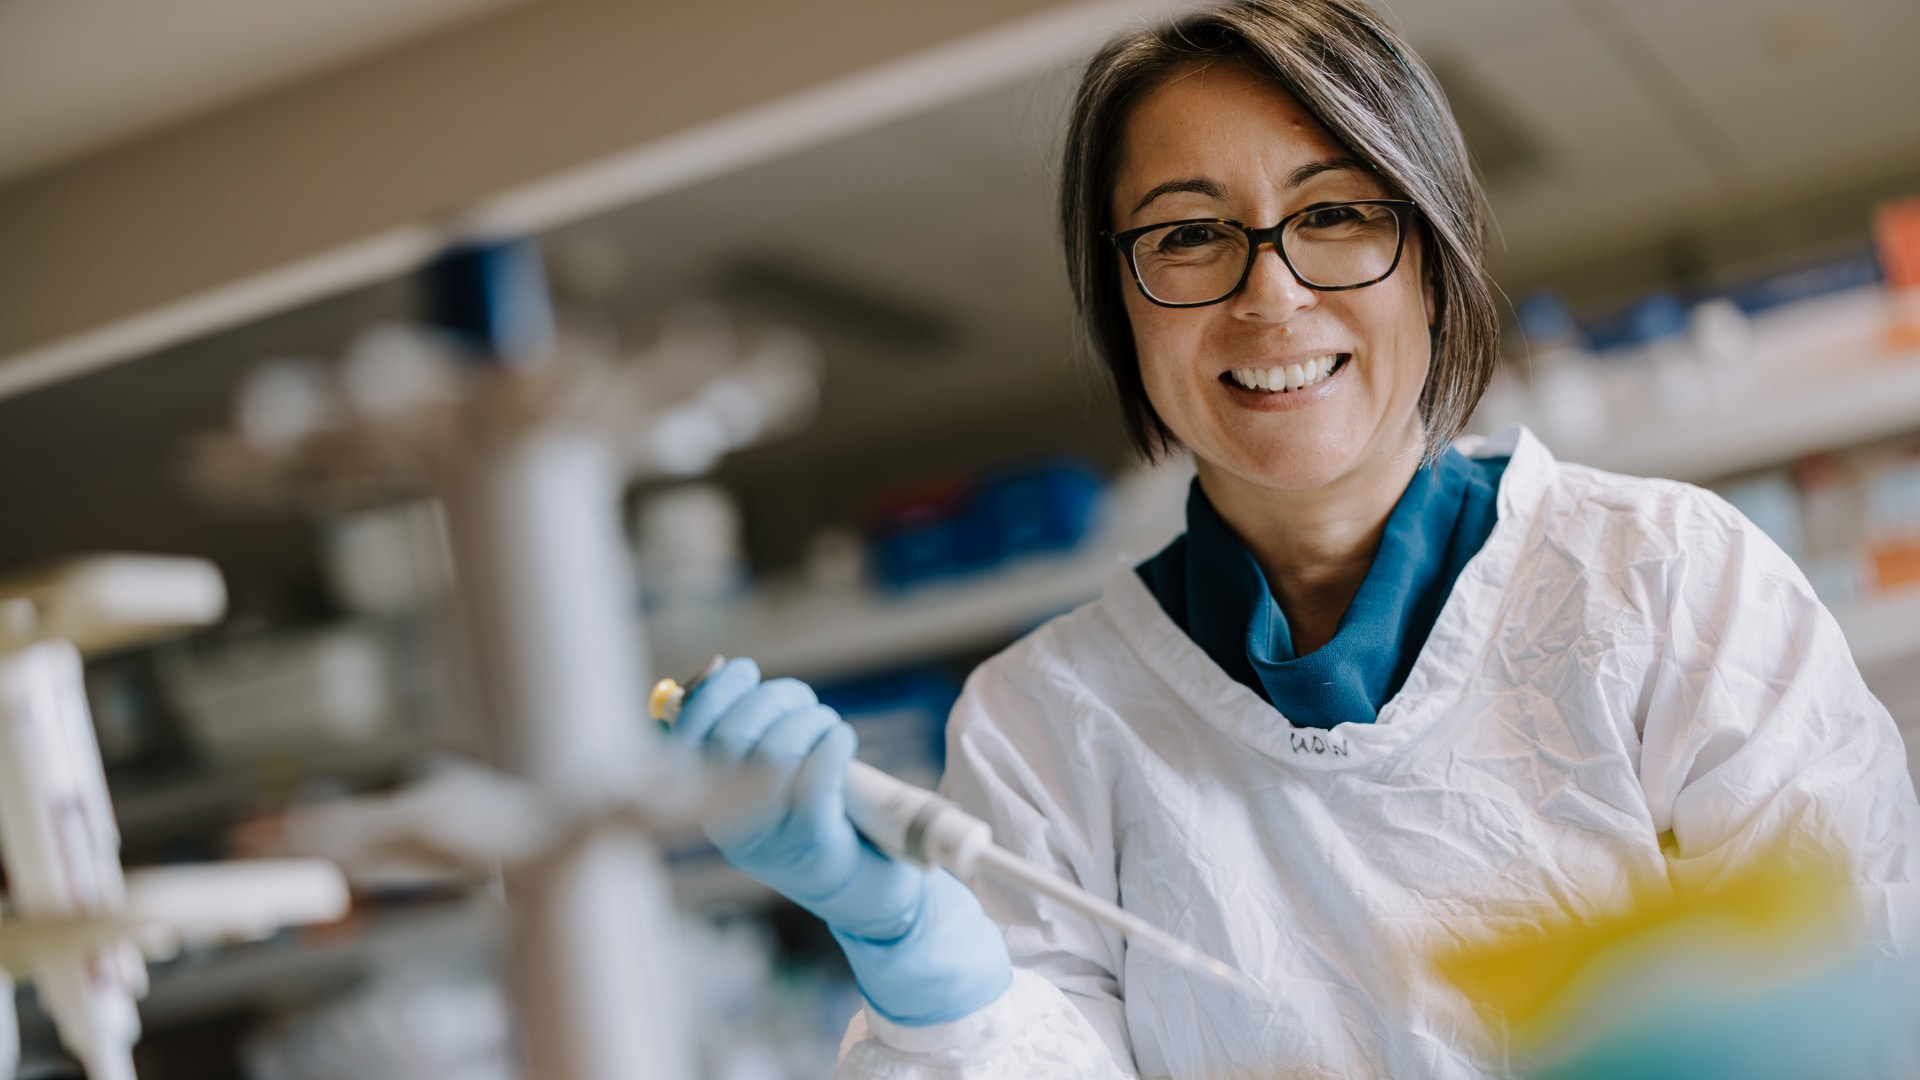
915	824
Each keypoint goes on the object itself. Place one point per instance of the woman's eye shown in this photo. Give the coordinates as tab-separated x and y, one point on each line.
1191	236
1329	217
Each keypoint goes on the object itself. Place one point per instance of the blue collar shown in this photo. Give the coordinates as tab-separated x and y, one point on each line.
1210	585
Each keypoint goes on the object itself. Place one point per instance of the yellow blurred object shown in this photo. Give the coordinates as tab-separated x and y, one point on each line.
664	701
1555	984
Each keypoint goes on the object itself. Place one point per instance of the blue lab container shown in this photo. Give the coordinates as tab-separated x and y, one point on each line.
491	298
1045	506
918	539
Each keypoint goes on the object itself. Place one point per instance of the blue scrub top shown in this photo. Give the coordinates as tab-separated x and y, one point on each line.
1210	585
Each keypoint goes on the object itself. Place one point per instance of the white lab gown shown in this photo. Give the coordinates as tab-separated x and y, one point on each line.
1629	680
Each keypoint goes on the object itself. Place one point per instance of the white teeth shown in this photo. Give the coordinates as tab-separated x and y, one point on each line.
1286	378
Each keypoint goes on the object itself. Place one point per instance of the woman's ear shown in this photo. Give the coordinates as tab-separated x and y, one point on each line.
1429	282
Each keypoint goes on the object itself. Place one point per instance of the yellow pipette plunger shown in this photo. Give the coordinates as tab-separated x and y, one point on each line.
919	826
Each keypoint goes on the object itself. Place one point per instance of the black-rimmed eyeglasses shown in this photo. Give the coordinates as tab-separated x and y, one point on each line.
1329	247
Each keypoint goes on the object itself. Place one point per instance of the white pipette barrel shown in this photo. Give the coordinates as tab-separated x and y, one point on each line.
917	825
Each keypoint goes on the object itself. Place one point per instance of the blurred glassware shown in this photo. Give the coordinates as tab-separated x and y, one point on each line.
691	561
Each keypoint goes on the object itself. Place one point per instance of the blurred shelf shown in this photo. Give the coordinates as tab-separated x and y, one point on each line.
827	635
1883	630
207	801
1818	375
1842	406
305	966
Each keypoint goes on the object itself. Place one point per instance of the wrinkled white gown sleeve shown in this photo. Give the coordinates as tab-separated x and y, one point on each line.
1764	732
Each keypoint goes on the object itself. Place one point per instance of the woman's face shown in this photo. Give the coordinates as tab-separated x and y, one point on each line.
1219	141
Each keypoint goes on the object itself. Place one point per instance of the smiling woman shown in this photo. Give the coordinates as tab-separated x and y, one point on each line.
1391	692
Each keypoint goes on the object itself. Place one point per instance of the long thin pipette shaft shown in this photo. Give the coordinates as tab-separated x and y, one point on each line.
998	862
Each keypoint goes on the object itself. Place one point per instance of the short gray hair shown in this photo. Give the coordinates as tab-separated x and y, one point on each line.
1365	86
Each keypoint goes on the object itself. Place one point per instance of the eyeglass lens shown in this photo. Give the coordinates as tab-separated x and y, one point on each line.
1331	247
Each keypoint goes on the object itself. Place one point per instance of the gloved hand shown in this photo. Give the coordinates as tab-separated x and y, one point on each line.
921	947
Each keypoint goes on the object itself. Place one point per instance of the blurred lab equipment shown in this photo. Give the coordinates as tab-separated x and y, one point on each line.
1698	373
388	561
1891	518
1850	519
692	567
922	828
84	922
441	1026
325	691
526	437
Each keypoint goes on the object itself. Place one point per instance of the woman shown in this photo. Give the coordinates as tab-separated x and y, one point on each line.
1384	694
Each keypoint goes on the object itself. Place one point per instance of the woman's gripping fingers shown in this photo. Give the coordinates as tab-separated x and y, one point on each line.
706	703
820	786
792	737
741	728
775	762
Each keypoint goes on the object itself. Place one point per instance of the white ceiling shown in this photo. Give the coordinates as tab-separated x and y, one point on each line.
77	75
1658	115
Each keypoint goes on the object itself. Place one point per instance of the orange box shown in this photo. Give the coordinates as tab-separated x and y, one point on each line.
1895	565
1896	231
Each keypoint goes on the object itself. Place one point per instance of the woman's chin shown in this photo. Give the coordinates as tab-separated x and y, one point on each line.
1293	468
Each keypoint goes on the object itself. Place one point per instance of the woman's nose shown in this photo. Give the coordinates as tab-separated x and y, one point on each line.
1271	291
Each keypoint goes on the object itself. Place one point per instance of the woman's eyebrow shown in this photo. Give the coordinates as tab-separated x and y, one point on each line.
1333	164
1199	185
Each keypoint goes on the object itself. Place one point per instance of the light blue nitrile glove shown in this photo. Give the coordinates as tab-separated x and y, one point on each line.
921	947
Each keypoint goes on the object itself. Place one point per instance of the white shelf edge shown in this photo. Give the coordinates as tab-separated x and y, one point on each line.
236	978
826	636
1868	401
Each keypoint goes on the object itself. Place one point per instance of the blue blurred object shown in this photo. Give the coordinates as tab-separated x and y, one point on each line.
1044	507
1650	319
901	718
1546	319
915	537
957	529
491	298
1854	1022
1662	315
1852	271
